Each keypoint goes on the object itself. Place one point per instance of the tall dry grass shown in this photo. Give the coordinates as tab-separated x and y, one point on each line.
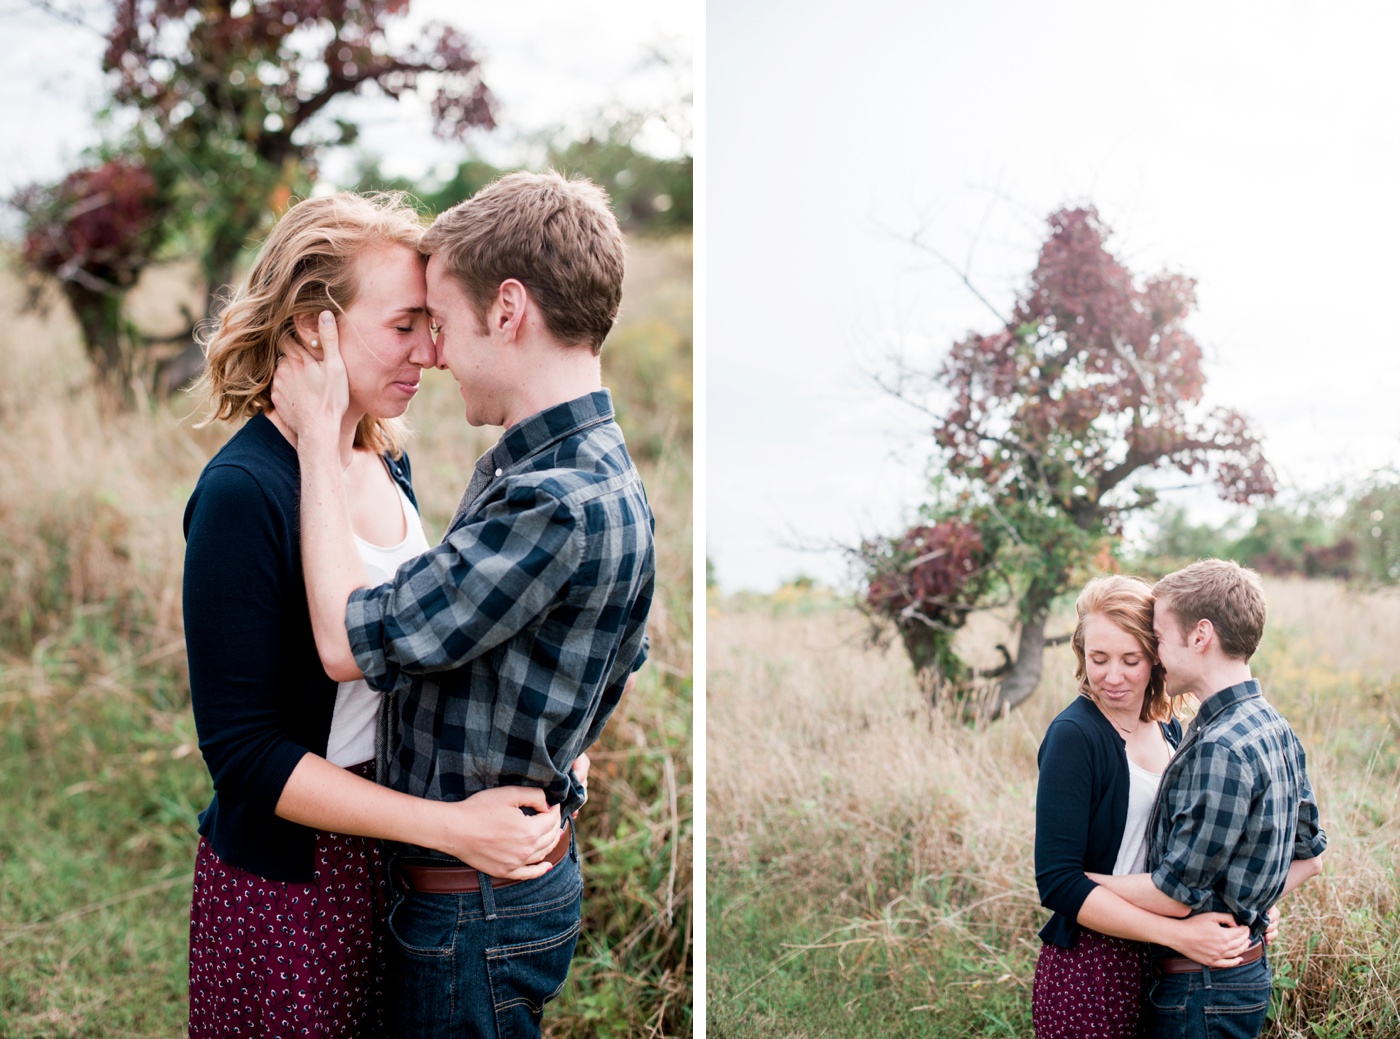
893	825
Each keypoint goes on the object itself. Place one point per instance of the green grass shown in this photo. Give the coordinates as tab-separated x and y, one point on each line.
98	799
783	963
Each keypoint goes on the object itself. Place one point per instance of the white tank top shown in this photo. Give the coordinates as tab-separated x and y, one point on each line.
356	704
1142	794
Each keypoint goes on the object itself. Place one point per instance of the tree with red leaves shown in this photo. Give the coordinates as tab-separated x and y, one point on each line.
233	101
94	232
927	581
1093	383
228	92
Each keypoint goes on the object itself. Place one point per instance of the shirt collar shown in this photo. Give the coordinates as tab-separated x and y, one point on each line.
1227	698
535	433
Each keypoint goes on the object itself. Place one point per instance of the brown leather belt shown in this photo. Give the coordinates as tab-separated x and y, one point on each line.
460	880
1181	965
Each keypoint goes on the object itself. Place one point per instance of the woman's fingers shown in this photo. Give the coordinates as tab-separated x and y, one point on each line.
330	336
294	349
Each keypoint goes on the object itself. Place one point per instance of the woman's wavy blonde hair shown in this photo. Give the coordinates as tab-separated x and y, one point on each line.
1127	602
306	265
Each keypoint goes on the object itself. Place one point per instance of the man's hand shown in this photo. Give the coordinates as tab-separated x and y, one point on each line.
581	766
312	394
1211	938
490	833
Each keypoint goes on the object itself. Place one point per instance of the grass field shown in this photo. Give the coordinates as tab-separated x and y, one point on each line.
869	860
101	779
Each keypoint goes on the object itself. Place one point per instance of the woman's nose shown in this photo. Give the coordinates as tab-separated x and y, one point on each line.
424	353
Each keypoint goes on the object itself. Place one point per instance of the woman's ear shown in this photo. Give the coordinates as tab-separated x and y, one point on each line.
305	325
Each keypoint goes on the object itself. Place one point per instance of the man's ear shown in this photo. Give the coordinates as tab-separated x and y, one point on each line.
512	301
1202	634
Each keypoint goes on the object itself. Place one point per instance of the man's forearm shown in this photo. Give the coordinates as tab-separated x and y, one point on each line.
1138	889
1300	870
330	561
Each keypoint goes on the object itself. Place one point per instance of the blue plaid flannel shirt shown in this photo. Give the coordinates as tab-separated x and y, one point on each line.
503	650
1235	808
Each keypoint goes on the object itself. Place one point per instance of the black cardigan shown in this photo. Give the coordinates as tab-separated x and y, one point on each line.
260	696
1081	809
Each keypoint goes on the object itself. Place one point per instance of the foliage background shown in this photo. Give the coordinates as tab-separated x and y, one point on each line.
100	777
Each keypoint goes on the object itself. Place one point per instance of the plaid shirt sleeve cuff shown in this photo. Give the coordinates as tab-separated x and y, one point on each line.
1171	885
1310	847
364	623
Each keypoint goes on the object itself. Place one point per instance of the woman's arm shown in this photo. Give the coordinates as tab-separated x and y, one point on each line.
1138	889
235	596
1210	938
487	831
1064	794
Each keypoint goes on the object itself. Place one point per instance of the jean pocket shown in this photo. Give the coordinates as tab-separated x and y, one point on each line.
1244	1000
425	925
527	975
1166	997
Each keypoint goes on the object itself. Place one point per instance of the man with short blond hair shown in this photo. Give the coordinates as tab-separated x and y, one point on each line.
504	650
1236	826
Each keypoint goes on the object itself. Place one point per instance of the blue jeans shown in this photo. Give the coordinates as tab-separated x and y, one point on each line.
483	964
1210	1004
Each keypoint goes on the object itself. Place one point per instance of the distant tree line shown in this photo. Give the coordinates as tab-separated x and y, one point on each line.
1345	534
651	195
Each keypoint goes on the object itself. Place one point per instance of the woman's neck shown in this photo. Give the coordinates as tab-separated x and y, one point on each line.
348	424
1125	719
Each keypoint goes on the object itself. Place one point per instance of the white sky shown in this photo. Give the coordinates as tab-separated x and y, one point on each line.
549	62
1252	146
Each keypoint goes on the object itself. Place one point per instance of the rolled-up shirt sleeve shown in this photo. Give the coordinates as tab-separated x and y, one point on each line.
1311	839
1208	819
492	576
1063	802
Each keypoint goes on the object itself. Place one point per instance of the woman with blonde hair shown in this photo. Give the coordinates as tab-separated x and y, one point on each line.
1101	763
286	924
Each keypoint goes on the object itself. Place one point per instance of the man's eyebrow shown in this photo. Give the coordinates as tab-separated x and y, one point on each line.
411	310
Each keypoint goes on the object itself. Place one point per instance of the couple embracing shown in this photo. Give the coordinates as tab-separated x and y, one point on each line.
1161	853
352	685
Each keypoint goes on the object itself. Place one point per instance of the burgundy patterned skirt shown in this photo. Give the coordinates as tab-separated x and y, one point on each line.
270	959
1093	991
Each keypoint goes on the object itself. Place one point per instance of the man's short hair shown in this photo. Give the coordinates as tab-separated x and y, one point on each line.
1222	592
557	237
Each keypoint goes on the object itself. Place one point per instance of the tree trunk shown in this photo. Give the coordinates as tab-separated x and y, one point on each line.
1024	675
175	373
99	314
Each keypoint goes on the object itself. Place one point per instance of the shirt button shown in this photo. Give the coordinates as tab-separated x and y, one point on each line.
498	472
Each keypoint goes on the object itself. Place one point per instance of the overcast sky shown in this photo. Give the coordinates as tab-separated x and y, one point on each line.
1251	146
549	62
